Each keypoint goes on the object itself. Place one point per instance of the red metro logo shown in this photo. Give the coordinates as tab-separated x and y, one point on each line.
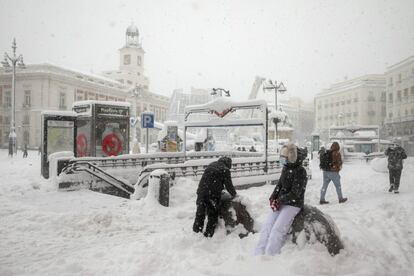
222	113
111	145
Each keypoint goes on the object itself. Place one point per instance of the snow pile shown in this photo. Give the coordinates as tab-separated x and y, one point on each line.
87	233
379	164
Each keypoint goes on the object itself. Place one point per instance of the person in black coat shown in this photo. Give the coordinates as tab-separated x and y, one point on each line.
216	177
286	201
395	155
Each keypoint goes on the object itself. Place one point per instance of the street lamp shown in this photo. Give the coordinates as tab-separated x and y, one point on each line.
19	62
219	91
136	93
277	88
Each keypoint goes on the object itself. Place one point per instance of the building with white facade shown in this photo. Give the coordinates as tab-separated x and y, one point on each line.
42	87
181	99
48	87
399	120
356	101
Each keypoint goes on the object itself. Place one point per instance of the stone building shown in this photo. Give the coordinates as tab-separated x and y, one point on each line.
357	101
399	120
42	87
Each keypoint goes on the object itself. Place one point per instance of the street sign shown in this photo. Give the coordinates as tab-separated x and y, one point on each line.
147	120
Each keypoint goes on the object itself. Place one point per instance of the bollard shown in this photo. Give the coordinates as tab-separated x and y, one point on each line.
159	187
164	195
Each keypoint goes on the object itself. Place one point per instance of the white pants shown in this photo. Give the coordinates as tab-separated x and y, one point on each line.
274	230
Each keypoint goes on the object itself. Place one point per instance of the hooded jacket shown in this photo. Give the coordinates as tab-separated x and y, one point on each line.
216	177
395	157
336	158
290	189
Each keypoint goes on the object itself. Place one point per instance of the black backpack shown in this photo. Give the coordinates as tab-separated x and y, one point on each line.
325	160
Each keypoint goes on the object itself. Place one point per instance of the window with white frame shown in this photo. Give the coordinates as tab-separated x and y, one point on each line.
27	97
62	100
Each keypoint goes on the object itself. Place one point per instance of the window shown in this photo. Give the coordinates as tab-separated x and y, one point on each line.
355	100
383	97
26	119
127	59
62	100
1	120
26	137
390	98
7	99
129	82
399	95
355	114
27	97
139	60
371	113
1	96
390	115
390	82
406	93
399	78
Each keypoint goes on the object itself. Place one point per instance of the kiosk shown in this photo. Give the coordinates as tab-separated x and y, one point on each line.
59	133
102	128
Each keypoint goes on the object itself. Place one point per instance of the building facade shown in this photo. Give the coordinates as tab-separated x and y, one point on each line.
357	101
399	120
42	87
47	87
181	99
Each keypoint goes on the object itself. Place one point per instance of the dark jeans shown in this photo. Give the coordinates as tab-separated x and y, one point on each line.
209	206
395	175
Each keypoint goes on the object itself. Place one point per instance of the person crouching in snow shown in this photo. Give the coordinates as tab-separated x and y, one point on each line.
216	177
286	201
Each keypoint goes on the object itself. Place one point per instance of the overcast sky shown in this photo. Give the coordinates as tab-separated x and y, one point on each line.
306	44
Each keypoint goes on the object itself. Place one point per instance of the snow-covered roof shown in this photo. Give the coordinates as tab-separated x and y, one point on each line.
90	102
220	122
59	113
221	104
355	127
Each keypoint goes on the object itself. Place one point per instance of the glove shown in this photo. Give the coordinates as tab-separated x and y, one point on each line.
275	205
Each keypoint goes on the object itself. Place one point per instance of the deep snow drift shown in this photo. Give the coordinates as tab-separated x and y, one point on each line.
47	232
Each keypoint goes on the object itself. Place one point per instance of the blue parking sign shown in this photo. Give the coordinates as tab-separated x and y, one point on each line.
147	120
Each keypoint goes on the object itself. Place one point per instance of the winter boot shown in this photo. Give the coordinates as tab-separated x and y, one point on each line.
396	192
342	200
391	188
321	202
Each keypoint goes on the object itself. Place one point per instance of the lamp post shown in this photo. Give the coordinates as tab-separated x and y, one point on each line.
136	93
19	62
277	88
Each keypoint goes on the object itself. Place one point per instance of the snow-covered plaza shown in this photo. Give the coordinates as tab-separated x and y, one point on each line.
48	232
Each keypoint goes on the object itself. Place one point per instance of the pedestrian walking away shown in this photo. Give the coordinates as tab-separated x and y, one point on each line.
25	151
215	179
285	202
331	164
395	155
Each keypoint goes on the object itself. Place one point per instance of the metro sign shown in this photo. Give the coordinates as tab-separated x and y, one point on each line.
222	113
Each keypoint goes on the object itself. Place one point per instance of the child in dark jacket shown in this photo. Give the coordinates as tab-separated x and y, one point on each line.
286	201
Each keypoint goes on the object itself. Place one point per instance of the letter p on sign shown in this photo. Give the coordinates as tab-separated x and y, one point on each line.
147	120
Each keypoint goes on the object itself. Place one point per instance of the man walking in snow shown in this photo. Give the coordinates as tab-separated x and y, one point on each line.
216	177
331	173
395	154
